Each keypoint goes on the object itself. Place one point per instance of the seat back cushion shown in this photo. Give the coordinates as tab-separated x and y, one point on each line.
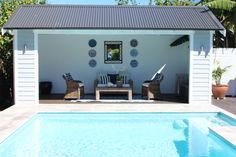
125	78
112	77
103	78
67	77
158	77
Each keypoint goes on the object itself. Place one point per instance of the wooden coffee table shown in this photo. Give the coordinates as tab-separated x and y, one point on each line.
127	90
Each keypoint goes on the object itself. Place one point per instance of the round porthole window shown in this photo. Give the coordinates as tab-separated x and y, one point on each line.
92	43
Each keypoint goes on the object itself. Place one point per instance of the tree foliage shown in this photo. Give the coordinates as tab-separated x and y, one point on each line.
219	4
218	72
126	2
6	46
225	11
171	2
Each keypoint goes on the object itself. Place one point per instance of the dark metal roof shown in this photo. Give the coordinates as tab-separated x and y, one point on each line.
113	17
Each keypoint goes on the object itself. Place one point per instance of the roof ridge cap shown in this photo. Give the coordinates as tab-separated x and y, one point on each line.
107	6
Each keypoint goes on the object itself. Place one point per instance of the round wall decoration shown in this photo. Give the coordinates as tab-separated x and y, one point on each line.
133	63
133	53
134	42
92	43
92	63
92	53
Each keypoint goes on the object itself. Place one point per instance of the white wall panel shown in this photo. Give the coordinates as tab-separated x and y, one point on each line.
25	68
200	85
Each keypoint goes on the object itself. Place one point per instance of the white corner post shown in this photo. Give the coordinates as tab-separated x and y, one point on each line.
200	70
191	46
36	67
211	64
26	75
15	69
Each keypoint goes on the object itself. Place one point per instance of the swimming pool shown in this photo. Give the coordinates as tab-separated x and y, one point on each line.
119	135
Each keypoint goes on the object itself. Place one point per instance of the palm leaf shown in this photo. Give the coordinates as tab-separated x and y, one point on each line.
222	4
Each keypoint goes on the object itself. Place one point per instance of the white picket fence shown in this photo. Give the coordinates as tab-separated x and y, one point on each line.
227	56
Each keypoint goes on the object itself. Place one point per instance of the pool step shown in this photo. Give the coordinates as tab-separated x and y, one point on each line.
227	132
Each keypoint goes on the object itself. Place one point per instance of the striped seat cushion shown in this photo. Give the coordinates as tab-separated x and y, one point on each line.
125	79
103	79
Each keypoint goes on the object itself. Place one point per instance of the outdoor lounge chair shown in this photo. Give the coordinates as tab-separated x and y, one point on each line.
75	88
151	88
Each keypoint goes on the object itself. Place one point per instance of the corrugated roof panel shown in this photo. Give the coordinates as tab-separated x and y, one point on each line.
112	17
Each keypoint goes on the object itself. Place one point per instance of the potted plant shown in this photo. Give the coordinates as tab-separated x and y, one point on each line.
119	81
219	90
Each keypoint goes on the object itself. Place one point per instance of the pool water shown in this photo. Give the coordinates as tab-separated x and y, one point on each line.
119	135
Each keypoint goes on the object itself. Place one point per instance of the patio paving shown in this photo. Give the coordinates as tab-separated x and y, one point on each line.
228	104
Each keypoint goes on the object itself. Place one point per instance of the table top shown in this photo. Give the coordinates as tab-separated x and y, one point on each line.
113	88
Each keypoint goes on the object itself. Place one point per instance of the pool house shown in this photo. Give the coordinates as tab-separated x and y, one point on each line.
50	40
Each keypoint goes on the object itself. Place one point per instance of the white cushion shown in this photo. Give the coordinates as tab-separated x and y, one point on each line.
158	72
101	85
145	84
126	85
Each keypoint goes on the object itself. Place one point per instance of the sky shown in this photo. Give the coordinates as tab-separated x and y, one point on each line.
99	2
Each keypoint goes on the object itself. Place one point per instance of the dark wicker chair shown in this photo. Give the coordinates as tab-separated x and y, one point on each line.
151	88
75	88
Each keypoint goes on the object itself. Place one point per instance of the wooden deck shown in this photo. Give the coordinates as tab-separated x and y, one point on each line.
228	104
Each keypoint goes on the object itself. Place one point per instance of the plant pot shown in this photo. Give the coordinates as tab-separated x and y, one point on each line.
219	91
119	83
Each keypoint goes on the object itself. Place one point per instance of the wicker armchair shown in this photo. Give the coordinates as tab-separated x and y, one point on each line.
151	88
75	88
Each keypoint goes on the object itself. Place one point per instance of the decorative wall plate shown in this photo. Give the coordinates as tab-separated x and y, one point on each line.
92	63
133	63
92	43
134	42
133	53
92	53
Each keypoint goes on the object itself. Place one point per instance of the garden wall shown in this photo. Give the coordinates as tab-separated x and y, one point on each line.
227	56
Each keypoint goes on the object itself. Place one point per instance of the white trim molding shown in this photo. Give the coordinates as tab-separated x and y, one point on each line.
116	32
